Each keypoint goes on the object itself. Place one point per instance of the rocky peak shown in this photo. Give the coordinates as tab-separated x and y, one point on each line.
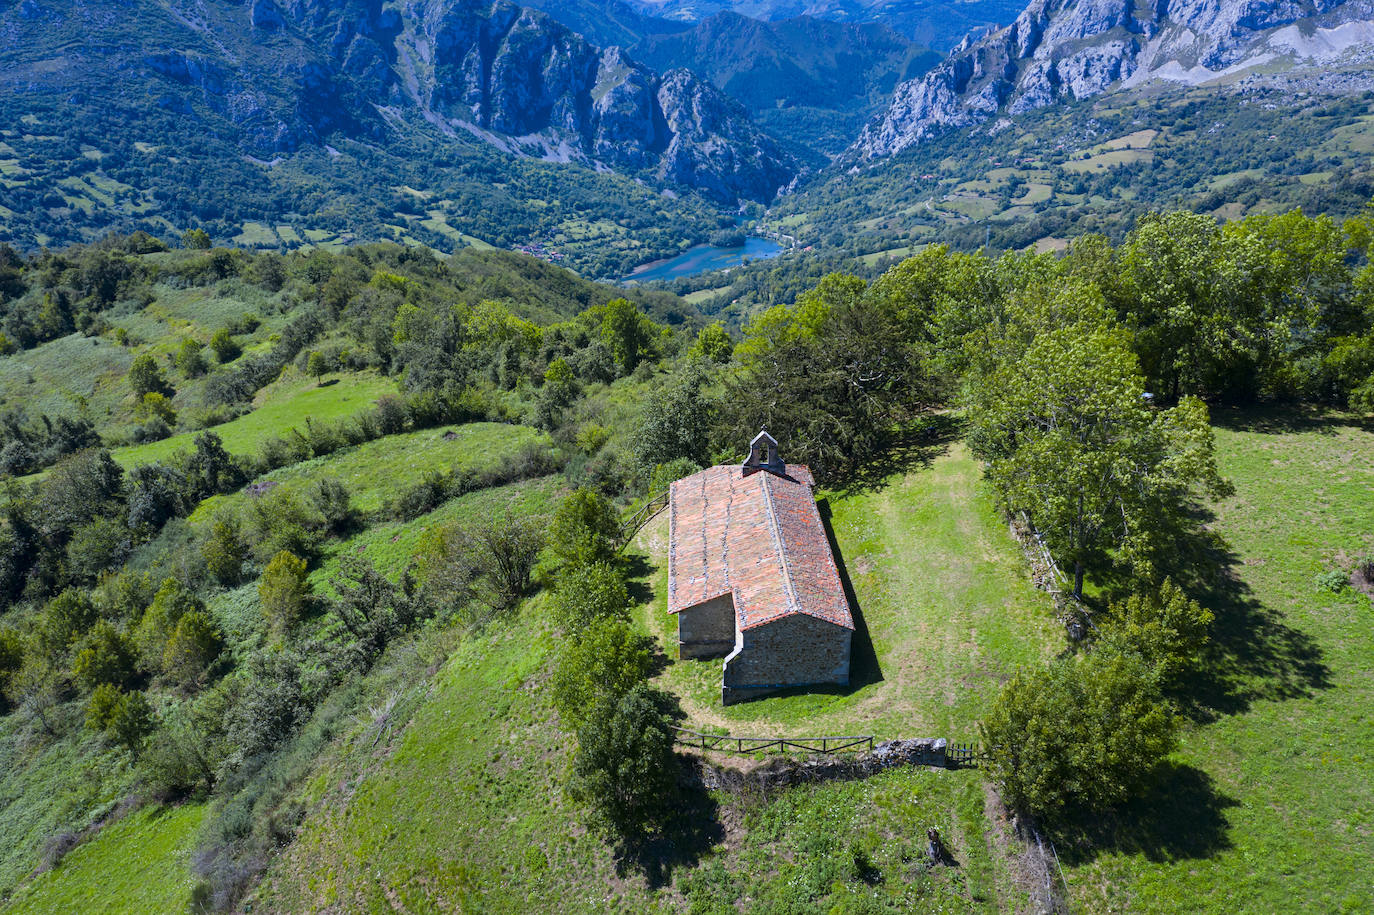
1079	48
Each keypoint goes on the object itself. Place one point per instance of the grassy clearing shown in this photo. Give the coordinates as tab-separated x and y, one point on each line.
380	469
47	787
1273	808
469	813
282	406
942	589
139	864
46	379
1107	160
391	546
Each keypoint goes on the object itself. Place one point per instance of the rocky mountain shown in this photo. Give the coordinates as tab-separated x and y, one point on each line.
283	75
1075	49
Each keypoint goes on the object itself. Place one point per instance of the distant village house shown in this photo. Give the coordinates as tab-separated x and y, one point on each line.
751	576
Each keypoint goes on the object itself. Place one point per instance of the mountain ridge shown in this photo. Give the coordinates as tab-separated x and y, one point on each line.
1059	49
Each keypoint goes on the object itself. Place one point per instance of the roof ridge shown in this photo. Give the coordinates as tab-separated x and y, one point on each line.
781	546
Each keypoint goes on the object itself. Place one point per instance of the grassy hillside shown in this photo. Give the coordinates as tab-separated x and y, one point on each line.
1094	166
470	808
1272	806
141	863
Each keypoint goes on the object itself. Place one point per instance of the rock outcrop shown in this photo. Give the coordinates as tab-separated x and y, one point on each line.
1058	49
529	85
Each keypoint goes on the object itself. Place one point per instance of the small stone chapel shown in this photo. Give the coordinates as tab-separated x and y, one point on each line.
751	576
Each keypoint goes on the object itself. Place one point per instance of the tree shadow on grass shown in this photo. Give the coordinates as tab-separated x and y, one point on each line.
639	572
906	451
1181	817
693	829
1288	418
1254	653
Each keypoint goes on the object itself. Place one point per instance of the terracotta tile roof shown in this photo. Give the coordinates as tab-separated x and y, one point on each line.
759	536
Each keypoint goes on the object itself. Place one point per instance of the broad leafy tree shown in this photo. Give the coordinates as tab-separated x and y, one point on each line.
1080	735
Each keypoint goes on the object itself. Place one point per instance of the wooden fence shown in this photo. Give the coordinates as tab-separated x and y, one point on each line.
646	512
729	744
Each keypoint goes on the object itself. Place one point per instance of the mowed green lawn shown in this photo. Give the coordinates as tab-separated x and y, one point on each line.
1273	810
280	407
947	613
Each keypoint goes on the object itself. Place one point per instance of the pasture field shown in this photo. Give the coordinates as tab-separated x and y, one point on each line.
1271	805
376	470
278	408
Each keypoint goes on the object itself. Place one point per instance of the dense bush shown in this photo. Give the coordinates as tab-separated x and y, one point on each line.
1079	735
625	769
283	591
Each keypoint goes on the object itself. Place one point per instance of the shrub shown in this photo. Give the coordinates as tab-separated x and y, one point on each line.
283	591
584	529
223	345
192	648
503	552
189	360
97	547
171	602
392	415
64	620
713	344
195	239
125	718
1081	734
145	376
11	660
601	662
106	658
282	520
332	500
224	551
1166	629
154	495
625	769
588	593
1334	581
101	704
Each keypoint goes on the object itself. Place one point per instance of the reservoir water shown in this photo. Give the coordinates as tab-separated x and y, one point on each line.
702	258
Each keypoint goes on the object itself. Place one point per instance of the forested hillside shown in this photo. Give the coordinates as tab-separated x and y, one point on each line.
314	591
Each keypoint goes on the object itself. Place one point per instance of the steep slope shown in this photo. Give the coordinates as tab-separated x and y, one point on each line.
1059	49
423	122
607	22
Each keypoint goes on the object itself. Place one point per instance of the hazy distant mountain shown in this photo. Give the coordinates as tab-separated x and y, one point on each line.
1059	49
801	61
808	80
938	24
607	22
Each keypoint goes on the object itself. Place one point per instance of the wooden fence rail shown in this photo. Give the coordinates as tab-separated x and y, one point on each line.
646	512
731	744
